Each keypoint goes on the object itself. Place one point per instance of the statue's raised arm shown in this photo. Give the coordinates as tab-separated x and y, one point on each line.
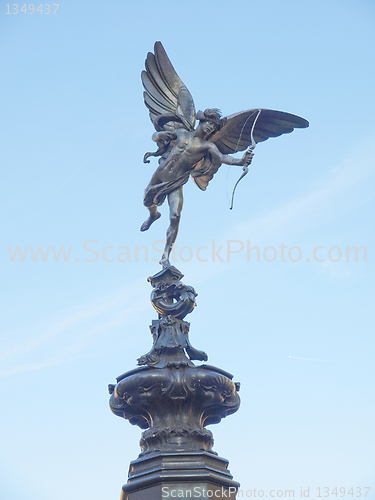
185	150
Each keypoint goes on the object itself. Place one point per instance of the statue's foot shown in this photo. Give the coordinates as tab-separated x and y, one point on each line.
152	218
164	262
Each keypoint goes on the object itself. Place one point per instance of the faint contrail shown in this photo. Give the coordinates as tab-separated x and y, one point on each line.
311	359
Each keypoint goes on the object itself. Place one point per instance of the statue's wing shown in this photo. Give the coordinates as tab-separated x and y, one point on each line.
235	135
170	103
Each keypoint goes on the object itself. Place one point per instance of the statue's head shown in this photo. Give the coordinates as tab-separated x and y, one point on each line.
212	119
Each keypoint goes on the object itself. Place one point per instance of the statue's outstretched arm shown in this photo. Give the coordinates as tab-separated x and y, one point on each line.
229	160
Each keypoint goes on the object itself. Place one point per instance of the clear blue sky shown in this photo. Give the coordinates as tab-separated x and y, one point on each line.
73	133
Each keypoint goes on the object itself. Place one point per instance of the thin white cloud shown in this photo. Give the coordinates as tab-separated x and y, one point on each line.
329	198
335	269
330	194
32	367
312	359
65	338
69	333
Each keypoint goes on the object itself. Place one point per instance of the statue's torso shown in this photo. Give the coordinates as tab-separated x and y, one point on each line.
187	150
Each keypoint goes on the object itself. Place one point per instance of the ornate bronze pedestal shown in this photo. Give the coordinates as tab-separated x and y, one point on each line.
169	396
174	401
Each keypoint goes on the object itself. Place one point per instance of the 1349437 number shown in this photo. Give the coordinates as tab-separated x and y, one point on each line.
342	492
43	8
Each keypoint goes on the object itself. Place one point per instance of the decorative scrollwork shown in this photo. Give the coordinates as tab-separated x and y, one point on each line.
173	301
170	297
177	300
175	404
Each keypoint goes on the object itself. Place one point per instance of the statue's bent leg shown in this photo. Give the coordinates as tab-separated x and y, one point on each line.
148	201
154	215
175	201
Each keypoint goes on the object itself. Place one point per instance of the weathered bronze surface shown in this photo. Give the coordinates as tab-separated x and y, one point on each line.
175	404
185	150
174	401
167	395
179	475
173	301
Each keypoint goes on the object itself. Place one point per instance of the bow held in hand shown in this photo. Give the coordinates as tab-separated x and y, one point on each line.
247	158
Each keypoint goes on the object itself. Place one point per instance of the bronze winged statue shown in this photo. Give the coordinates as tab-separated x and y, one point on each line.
186	150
